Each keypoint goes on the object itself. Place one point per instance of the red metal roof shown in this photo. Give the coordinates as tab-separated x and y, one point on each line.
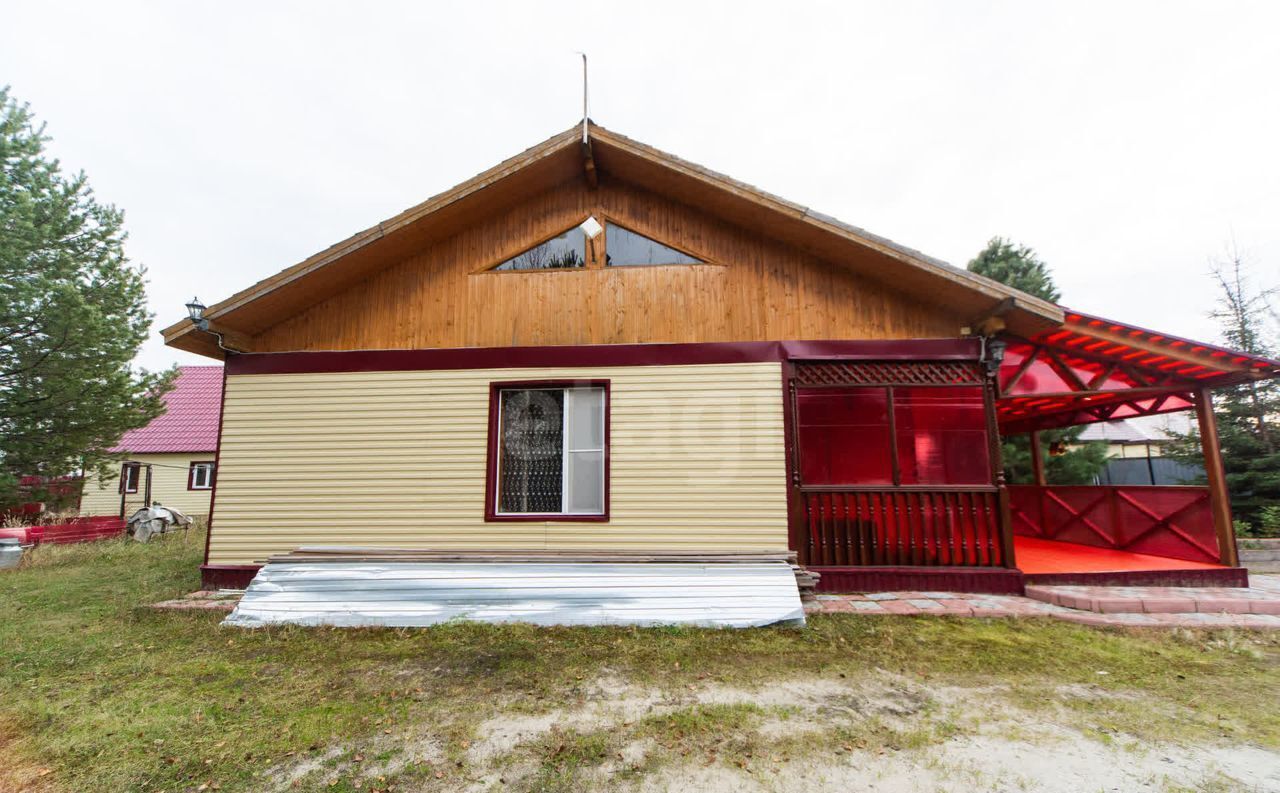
1094	369
190	420
1082	331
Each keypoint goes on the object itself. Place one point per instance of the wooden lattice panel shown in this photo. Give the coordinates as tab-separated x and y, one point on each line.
810	373
1172	521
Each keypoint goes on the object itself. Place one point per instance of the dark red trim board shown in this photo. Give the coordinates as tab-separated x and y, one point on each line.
1202	576
900	579
986	580
997	581
491	514
227	576
217	459
600	355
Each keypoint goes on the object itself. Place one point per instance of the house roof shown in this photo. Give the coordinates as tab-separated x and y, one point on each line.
190	420
605	154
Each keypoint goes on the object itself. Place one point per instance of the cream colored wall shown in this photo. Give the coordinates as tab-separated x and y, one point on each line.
168	486
397	459
1131	450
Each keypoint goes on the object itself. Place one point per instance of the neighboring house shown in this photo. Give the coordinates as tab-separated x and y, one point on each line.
598	347
1135	453
172	459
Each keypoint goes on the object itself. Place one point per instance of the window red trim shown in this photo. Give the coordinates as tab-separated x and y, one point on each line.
191	474
491	514
124	478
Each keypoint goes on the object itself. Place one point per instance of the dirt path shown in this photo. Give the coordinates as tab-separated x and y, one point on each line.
885	734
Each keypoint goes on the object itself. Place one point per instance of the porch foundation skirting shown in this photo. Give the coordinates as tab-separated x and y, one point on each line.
986	580
994	581
834	579
1218	576
227	576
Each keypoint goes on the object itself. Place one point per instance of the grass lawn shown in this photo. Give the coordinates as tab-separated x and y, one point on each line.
98	692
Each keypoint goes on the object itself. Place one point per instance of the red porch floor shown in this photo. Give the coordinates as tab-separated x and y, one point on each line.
1037	557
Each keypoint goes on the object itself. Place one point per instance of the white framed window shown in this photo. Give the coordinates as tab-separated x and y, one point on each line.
200	477
548	451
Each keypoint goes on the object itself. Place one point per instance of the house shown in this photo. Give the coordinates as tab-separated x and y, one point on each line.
598	348
171	460
1135	452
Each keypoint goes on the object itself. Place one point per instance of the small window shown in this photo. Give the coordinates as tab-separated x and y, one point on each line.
625	248
547	455
200	477
130	473
565	251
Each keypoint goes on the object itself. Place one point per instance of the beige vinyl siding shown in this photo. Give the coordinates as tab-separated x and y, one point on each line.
397	459
168	486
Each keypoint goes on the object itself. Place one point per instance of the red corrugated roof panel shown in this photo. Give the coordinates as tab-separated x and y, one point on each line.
190	420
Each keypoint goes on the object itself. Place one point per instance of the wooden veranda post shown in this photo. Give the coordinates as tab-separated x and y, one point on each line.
1219	498
1037	459
996	454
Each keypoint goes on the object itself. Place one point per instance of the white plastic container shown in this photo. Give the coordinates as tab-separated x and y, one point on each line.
10	553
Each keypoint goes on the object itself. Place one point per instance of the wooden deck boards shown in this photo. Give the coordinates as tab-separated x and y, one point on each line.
1036	556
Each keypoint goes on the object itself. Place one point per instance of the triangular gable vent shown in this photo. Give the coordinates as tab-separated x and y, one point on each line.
563	251
625	247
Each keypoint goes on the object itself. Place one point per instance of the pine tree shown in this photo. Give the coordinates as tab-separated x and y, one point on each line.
1017	266
1071	462
1245	413
72	316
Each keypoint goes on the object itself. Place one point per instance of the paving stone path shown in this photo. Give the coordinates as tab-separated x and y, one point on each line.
1258	606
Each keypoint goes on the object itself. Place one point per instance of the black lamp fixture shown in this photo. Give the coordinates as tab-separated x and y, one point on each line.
195	310
995	354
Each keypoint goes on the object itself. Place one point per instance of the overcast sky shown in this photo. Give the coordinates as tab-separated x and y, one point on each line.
1128	143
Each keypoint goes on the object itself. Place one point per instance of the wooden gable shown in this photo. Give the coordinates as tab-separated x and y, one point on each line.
770	271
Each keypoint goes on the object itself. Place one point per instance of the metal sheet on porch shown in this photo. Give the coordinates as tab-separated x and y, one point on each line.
1049	556
411	594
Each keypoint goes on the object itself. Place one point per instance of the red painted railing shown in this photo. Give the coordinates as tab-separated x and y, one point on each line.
902	527
77	530
1164	521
